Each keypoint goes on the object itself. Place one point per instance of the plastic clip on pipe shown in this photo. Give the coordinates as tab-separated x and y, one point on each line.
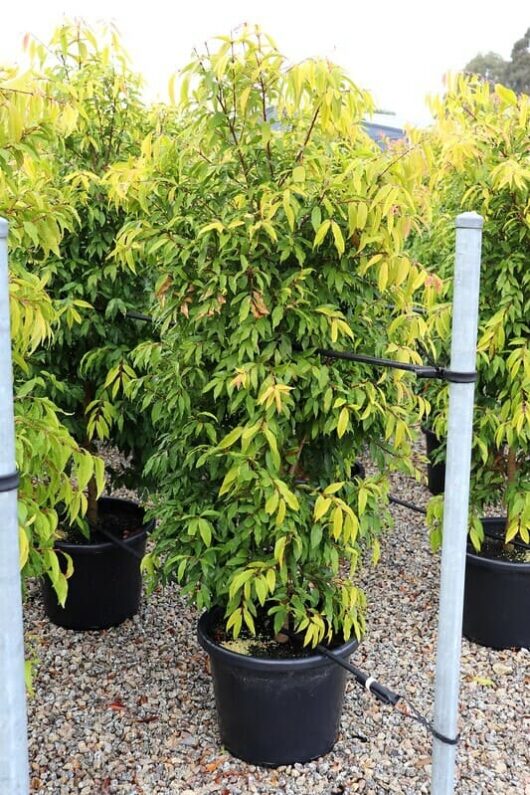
14	774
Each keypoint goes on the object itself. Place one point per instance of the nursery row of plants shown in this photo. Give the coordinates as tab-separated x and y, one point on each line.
257	224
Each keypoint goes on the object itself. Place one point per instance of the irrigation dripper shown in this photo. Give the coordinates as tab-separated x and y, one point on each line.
382	693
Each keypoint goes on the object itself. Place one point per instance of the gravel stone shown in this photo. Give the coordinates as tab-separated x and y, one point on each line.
130	710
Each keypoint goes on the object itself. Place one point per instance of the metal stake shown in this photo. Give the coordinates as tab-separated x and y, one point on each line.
14	776
456	500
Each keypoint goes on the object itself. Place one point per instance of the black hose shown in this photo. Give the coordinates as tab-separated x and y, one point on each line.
119	543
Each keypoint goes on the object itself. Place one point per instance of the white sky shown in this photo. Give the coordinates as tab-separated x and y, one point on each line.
398	49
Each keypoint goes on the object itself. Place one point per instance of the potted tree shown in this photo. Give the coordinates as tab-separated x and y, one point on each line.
278	227
53	469
483	140
88	360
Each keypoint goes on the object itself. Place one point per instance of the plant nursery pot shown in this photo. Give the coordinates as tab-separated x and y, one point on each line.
275	712
106	583
497	597
435	470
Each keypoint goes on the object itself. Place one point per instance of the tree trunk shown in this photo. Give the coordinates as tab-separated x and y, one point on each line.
92	509
511	466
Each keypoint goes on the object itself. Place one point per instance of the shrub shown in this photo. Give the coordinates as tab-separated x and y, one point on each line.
277	228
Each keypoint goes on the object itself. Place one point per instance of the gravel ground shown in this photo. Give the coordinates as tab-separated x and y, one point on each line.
130	710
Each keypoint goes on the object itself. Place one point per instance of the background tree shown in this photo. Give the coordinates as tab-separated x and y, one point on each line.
513	73
491	66
518	69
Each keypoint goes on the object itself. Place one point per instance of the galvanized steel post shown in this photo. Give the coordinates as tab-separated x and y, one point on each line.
14	776
456	500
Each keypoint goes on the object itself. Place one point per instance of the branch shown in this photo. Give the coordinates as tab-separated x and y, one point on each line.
298	454
304	145
220	97
264	109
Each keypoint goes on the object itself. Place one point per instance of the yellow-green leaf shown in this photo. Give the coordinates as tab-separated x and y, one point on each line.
338	238
321	232
23	548
321	507
299	174
344	418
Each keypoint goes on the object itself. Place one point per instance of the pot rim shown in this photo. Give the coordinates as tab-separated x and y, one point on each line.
103	546
494	563
267	664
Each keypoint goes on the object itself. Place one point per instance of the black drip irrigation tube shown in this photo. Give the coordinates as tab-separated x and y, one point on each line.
419	370
119	543
406	504
382	693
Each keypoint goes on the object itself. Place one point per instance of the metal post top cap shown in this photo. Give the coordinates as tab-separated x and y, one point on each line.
4	226
469	221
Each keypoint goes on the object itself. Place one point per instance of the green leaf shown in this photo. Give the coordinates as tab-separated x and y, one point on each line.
99	475
299	174
60	587
322	232
260	586
279	549
337	236
230	438
271	439
229	479
239	580
290	498
316	218
205	530
363	499
23	548
337	522
235	622
342	424
272	503
333	488
321	507
316	535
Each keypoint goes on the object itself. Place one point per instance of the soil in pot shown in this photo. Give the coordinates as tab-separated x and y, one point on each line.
497	595
105	587
274	710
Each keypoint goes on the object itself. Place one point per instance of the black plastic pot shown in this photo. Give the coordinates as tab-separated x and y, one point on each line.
275	711
497	598
106	584
435	470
